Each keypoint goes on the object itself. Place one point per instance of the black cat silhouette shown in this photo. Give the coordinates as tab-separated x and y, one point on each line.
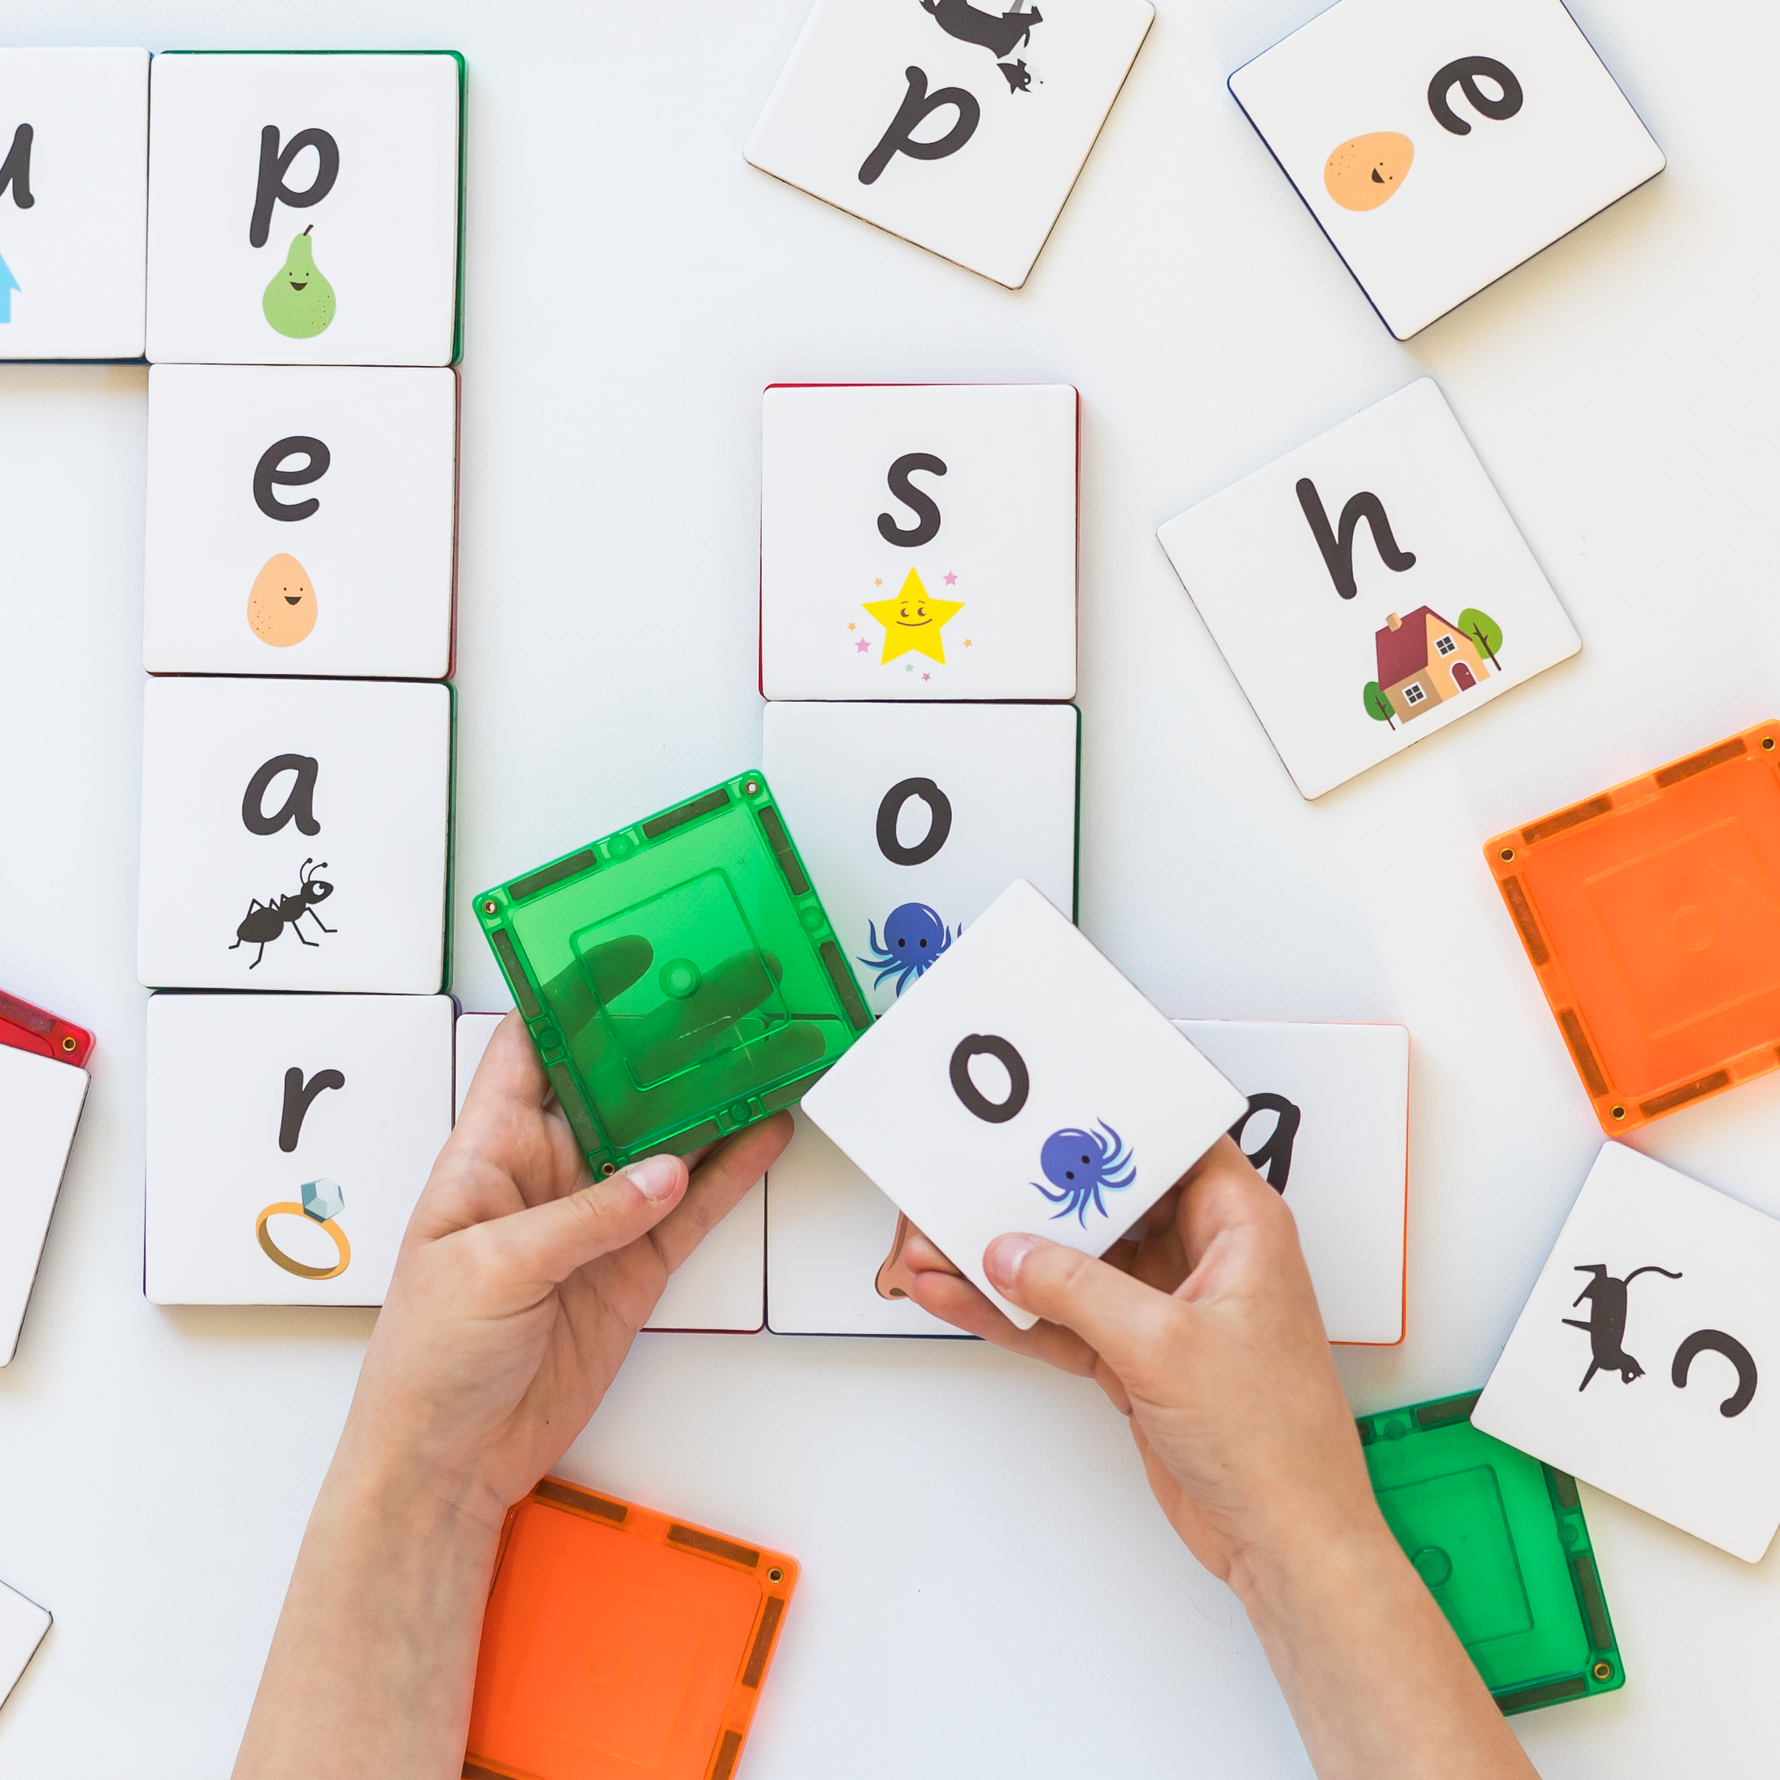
1606	1324
999	33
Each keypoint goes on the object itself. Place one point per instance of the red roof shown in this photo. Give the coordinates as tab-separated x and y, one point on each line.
1403	652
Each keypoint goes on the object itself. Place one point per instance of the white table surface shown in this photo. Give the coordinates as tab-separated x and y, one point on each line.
987	1586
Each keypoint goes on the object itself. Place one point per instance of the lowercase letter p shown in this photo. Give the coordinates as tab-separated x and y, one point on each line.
917	106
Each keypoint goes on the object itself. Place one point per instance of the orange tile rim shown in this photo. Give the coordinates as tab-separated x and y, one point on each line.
619	1640
1624	856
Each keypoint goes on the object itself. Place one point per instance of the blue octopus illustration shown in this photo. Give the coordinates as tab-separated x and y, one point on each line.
914	936
1081	1165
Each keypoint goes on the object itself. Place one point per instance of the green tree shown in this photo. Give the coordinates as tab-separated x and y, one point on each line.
1378	707
1484	631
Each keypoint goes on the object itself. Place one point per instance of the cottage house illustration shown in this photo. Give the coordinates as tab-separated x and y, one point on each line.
1423	660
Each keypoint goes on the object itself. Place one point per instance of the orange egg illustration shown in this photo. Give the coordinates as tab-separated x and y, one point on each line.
1363	173
281	607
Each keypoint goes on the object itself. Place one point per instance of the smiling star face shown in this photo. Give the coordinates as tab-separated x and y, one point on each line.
913	621
281	607
1363	173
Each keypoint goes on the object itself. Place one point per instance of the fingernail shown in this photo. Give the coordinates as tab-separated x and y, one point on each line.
1005	1256
655	1177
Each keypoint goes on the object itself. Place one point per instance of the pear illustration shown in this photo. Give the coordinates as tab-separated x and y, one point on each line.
299	302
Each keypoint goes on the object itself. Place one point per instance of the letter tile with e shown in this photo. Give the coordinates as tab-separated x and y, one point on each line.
1440	146
301	520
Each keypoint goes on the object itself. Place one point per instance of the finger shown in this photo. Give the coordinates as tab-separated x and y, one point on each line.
1241	1237
508	1074
942	1291
920	1254
953	1299
1220	1192
511	1124
1118	1317
548	1242
719	1184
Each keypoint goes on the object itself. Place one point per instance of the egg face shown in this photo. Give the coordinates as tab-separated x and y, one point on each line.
281	606
1363	173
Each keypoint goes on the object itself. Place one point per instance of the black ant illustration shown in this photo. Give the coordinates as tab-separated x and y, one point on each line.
264	921
1606	1325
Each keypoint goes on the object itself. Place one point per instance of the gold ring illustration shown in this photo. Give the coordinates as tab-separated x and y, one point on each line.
329	1198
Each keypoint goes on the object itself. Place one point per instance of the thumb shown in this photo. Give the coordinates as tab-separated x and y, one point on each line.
548	1242
1121	1318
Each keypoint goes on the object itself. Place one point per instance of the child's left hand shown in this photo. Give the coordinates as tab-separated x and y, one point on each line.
521	1283
518	1291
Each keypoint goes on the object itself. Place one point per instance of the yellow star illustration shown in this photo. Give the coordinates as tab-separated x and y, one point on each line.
913	620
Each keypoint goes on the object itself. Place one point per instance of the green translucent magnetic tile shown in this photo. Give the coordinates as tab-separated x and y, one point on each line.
680	978
1500	1540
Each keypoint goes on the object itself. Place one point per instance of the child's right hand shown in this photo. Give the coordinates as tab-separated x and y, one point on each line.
1205	1332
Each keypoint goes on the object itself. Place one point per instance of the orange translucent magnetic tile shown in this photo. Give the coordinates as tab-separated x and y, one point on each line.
1652	916
619	1643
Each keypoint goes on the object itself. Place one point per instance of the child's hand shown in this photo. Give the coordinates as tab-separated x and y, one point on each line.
521	1284
1206	1334
518	1291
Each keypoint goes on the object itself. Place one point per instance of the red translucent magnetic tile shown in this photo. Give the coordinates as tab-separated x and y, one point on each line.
27	1028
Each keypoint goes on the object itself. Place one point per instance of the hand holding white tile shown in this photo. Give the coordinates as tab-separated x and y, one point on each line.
1327	1128
1023	1085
